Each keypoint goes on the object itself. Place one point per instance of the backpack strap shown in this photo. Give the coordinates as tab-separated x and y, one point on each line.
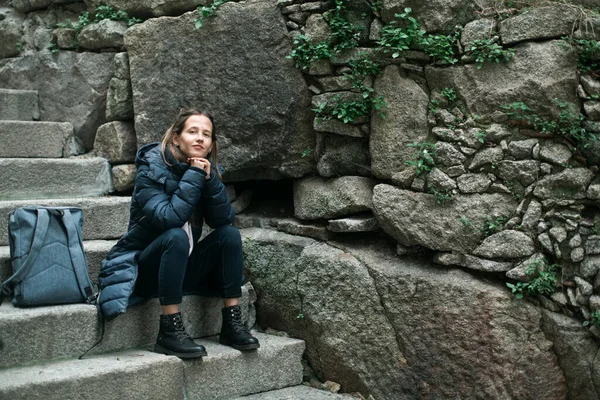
41	227
78	257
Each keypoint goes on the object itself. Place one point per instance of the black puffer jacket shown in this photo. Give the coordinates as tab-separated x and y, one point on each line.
164	197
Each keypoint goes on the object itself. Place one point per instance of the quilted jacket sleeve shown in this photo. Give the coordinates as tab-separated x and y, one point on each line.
164	211
215	203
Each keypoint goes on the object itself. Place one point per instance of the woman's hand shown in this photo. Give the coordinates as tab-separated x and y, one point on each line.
201	163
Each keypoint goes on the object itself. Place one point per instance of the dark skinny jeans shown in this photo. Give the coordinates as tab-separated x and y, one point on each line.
214	268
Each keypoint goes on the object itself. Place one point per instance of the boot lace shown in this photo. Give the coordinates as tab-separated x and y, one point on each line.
236	321
180	332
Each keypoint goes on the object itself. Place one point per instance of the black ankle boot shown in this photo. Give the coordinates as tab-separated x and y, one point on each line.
174	340
233	331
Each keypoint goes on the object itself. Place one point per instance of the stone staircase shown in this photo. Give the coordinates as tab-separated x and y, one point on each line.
39	347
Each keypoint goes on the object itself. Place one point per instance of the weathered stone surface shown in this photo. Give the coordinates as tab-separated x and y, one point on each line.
593	191
568	184
590	84
344	156
488	156
438	180
421	327
595	303
539	23
538	73
149	8
577	254
375	30
72	86
30	5
522	149
404	178
532	216
328	100
263	117
415	219
476	263
66	38
119	100
575	241
365	223
479	29
556	153
592	245
35	139
305	287
123	176
583	286
447	155
405	122
592	109
339	83
526	171
19	105
317	29
38	25
116	142
24	178
433	16
473	183
337	126
577	353
11	29
497	133
506	244
122	66
302	228
278	358
520	272
467	138
546	243
558	233
106	34
316	198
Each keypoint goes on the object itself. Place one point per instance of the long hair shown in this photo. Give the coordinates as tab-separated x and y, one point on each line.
177	128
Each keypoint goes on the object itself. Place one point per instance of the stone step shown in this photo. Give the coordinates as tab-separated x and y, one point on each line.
300	392
35	139
228	373
139	374
126	375
103	217
19	105
37	334
47	178
95	251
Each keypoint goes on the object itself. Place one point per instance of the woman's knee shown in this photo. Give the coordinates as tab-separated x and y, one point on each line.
176	239
229	234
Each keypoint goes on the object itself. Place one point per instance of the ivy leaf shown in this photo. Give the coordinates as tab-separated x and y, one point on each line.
199	23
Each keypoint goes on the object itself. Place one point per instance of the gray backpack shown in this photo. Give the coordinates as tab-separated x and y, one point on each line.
48	262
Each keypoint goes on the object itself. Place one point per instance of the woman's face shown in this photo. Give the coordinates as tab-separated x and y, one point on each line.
196	138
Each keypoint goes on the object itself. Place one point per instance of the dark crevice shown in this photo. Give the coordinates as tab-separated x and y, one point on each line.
315	347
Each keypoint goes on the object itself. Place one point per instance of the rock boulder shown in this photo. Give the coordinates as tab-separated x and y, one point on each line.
415	218
235	67
424	332
72	86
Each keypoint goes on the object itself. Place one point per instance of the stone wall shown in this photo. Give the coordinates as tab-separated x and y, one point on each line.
488	194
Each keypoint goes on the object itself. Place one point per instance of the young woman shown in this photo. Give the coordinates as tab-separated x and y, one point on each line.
177	187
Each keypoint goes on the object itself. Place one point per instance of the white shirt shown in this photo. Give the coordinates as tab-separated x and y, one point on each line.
188	229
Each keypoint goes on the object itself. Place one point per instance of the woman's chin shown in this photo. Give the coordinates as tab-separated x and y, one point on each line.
197	154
